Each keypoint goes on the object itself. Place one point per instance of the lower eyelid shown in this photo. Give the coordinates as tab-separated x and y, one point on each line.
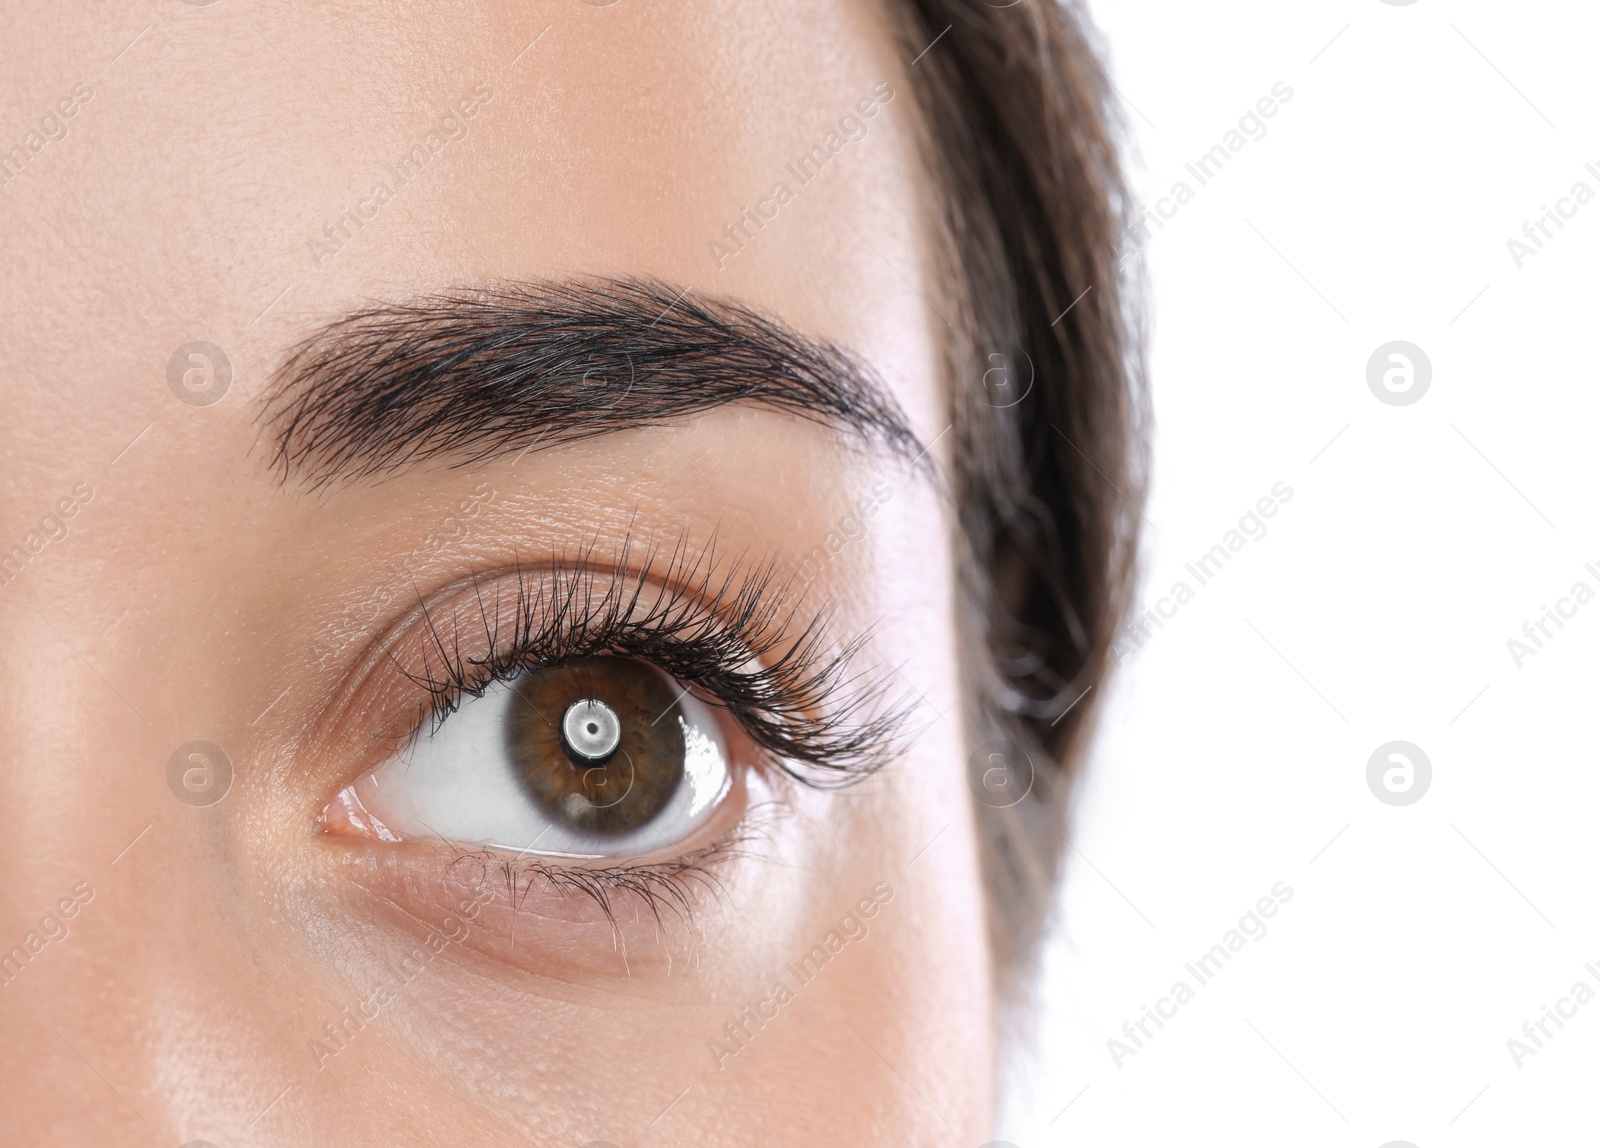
556	921
560	919
575	922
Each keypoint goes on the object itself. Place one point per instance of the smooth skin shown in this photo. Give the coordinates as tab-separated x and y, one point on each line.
193	594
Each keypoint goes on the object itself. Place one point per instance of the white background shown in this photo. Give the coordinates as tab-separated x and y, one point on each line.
1233	748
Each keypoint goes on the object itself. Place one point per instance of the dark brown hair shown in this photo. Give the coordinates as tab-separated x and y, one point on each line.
1047	407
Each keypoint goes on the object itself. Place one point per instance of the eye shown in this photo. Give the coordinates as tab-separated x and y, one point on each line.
601	757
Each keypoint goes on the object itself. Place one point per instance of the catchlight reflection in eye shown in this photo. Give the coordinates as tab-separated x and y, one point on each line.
603	757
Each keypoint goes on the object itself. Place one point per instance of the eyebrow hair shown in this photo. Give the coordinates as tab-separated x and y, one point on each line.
472	375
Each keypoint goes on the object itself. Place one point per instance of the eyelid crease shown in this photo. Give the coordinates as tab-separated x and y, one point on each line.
735	635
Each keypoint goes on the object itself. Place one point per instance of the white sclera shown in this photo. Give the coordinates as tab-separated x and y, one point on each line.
458	782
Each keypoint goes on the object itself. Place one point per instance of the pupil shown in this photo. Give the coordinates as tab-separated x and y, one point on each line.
594	744
591	731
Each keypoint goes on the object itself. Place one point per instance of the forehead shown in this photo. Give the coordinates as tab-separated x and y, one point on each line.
202	173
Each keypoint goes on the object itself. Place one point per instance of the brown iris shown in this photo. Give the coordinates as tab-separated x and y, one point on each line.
597	743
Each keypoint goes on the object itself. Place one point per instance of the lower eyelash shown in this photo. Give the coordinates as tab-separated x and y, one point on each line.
802	705
663	887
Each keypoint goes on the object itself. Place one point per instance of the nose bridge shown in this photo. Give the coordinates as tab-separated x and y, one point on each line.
75	785
131	924
115	962
81	1010
88	925
74	967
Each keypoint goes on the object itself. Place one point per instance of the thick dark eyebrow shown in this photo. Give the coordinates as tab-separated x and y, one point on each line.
472	375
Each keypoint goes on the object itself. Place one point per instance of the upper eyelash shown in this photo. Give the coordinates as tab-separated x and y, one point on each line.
735	636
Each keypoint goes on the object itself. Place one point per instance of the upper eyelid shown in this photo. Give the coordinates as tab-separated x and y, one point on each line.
822	713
